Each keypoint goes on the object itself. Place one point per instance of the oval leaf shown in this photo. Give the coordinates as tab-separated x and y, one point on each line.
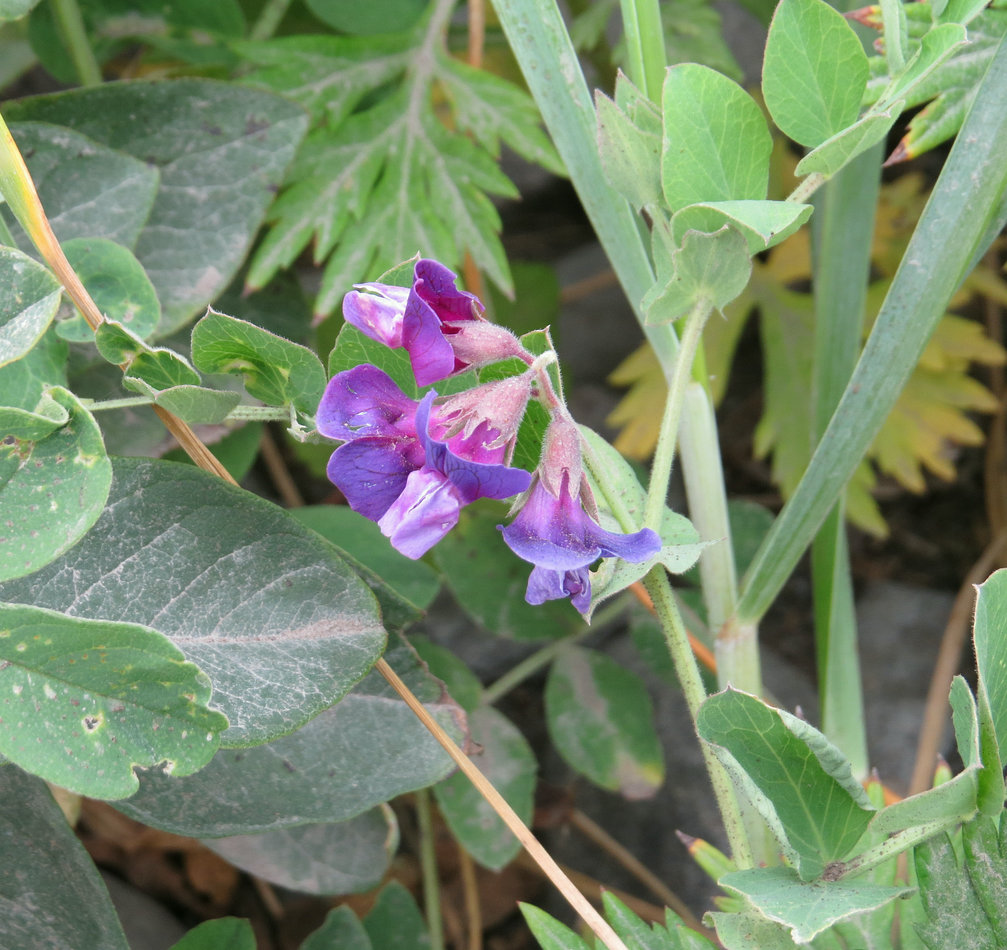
815	71
237	584
86	701
339	858
53	485
601	719
29	298
716	144
52	893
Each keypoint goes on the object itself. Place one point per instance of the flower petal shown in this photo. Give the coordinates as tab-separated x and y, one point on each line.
425	511
435	284
429	351
365	401
378	314
372	472
544	584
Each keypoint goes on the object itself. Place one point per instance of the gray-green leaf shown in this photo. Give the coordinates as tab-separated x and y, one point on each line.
29	297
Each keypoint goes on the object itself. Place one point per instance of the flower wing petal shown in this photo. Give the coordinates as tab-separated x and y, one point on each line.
423	513
364	401
371	473
377	314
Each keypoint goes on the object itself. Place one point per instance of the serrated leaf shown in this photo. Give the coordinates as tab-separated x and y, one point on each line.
814	73
808	784
334	858
86	188
236	583
364	750
395	922
278	372
117	283
221	150
53	482
234	933
716	145
708	269
29	297
506	759
601	720
807	909
53	896
87	701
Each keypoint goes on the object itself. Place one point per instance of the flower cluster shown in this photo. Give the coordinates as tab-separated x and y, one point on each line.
412	465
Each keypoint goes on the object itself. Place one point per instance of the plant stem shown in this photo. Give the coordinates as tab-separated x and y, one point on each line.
545	861
259	414
892	845
641	22
807	188
893	20
534	662
689	678
664	456
71	28
269	19
128	402
428	869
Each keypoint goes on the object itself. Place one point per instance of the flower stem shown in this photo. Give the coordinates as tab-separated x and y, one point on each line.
664	456
428	868
71	28
269	19
687	670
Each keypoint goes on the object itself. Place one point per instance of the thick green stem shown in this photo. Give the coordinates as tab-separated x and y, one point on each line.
269	19
71	27
641	21
689	678
664	456
428	868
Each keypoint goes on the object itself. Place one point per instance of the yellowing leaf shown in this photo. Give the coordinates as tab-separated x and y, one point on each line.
638	413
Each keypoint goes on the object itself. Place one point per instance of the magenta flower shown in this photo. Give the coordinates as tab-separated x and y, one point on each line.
440	326
394	469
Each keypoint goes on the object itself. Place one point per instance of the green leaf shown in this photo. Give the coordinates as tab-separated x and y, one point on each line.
363	540
507	760
807	909
936	46
395	922
29	297
24	381
87	701
711	269
221	151
549	932
341	930
846	145
86	188
630	155
763	223
956	919
345	857
750	931
53	895
117	283
601	720
991	650
53	482
364	750
805	788
985	849
641	936
815	71
489	582
198	405
232	933
384	16
15	9
716	145
236	583
278	372
148	369
462	684
353	348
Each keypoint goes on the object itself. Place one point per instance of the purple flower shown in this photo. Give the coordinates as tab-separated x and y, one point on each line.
554	532
440	326
394	469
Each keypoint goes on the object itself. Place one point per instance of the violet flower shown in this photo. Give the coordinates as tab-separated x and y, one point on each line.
395	470
440	326
554	532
